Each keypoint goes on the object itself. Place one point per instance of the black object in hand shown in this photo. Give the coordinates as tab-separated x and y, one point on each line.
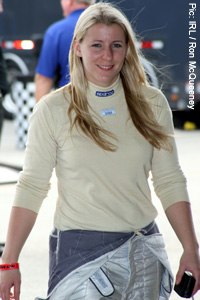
186	286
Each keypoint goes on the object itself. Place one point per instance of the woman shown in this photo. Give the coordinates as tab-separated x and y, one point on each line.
104	133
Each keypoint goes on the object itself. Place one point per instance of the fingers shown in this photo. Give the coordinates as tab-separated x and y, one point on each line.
179	275
7	295
190	261
197	283
196	288
5	292
17	292
196	275
8	281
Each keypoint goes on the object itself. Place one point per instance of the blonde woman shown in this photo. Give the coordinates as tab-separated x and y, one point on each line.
103	133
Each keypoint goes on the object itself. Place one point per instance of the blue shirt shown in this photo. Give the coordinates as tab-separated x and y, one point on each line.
55	49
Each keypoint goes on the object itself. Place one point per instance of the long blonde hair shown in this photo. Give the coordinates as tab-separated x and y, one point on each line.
132	75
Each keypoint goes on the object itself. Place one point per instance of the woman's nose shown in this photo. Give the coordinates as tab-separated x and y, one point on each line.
107	53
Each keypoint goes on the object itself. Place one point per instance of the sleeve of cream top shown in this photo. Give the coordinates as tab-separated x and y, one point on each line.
168	179
40	159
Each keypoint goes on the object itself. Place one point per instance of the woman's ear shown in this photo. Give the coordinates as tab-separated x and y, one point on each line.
77	48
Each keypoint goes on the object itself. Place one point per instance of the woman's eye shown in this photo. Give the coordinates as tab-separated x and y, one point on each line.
117	45
96	45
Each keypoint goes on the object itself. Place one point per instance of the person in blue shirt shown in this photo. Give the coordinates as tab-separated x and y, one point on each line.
53	59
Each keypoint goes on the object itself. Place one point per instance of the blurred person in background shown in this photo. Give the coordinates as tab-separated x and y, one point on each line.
53	60
4	84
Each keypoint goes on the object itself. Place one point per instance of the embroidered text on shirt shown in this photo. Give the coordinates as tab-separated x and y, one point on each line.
105	94
108	112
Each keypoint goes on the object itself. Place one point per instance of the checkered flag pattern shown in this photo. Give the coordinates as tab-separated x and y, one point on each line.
23	96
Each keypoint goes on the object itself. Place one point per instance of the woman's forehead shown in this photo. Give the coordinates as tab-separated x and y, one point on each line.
105	31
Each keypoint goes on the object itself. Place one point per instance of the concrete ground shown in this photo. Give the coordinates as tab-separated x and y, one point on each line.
34	257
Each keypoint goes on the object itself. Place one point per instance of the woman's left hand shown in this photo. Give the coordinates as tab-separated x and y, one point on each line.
180	217
190	261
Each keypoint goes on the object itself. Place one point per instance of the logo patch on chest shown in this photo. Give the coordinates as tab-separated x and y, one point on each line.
108	112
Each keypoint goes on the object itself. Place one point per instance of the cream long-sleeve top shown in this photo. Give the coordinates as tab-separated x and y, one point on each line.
98	189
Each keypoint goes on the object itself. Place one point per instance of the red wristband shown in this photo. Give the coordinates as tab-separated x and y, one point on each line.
9	266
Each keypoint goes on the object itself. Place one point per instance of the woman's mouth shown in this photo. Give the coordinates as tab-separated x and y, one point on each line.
106	68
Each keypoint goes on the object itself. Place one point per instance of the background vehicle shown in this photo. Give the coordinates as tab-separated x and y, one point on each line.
22	26
162	28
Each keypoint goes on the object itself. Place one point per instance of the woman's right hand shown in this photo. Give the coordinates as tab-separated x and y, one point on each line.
9	279
20	224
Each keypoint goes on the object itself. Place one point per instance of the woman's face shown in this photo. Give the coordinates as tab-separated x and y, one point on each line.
103	51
